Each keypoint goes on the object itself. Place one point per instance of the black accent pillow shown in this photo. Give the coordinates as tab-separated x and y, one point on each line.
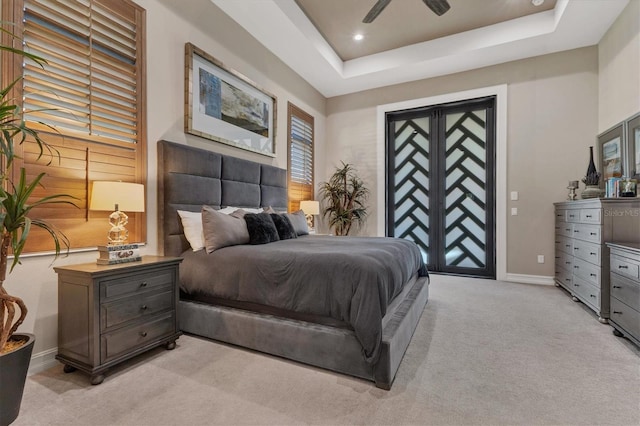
284	226
261	228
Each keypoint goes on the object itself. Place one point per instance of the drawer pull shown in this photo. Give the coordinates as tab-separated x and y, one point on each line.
143	307
616	286
575	230
576	267
592	233
588	216
576	285
592	253
557	257
623	267
617	312
567	245
143	333
576	248
143	284
567	279
592	275
571	215
592	295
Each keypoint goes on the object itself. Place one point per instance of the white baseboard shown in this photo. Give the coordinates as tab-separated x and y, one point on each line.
530	279
43	361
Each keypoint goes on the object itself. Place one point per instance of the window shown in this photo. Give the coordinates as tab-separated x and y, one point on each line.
91	91
300	164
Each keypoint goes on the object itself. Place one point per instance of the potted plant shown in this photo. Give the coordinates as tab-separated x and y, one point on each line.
344	197
15	224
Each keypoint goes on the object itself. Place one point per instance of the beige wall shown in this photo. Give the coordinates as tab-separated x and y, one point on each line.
619	69
551	118
170	24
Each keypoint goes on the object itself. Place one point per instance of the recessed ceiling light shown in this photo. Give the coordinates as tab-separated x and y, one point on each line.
358	37
537	2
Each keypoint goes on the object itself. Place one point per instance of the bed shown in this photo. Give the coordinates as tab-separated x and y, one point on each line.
334	336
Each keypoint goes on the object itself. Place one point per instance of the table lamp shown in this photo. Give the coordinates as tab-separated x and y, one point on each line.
310	208
115	196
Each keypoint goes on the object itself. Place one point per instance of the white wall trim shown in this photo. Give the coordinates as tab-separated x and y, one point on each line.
43	361
530	279
500	92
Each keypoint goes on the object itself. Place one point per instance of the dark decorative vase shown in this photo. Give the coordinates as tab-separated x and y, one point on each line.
591	180
13	374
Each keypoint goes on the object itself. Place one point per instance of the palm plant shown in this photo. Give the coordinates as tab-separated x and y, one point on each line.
15	194
344	197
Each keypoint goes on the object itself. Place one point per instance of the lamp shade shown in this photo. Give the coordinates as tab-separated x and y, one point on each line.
126	195
310	207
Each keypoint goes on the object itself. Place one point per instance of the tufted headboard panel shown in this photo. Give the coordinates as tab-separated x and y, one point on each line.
190	177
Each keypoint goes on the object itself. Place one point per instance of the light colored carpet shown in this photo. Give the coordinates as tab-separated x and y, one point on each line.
485	352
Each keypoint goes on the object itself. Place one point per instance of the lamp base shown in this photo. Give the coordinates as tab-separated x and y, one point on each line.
113	254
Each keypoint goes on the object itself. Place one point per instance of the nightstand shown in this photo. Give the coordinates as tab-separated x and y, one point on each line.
110	313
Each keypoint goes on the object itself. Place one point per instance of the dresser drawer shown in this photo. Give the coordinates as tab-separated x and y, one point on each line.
564	244
565	229
623	266
587	293
124	285
626	317
138	306
564	278
573	215
592	233
587	251
564	261
561	215
591	216
587	271
125	340
626	290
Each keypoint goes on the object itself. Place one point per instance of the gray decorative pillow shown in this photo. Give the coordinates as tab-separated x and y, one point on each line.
299	222
222	230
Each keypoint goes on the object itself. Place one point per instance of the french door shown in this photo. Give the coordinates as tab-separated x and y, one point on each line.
441	184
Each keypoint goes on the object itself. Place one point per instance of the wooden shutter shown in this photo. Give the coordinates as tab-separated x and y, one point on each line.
300	164
88	102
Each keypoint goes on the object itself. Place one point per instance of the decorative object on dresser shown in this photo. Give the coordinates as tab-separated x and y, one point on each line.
625	290
573	185
582	228
591	179
633	145
108	314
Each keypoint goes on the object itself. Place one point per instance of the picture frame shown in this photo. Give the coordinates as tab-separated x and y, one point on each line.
611	153
633	146
223	105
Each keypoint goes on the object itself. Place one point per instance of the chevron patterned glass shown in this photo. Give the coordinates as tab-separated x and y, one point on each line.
465	189
411	188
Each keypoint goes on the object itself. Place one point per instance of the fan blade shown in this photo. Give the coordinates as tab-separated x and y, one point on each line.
439	7
375	11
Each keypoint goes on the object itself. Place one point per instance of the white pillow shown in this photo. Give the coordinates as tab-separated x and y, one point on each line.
246	209
192	224
228	210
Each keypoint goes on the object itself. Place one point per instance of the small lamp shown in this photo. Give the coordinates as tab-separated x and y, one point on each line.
115	196
310	208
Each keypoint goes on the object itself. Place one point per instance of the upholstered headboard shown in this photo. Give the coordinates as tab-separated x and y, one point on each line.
190	177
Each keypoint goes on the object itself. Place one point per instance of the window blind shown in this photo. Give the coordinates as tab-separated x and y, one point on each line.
88	102
300	164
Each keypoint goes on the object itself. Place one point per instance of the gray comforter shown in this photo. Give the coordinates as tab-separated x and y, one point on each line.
350	279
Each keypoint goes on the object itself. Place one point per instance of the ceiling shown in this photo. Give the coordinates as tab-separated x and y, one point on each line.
399	47
405	22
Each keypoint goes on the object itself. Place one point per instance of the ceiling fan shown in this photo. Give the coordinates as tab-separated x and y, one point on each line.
439	7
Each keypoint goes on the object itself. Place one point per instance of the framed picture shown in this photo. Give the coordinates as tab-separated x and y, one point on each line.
633	148
225	106
610	149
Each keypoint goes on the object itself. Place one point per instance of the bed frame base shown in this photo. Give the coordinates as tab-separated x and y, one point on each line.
318	345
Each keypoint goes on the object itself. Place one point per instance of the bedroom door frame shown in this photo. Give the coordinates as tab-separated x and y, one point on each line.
500	92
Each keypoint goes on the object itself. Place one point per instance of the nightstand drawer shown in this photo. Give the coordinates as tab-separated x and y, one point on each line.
623	266
125	340
135	283
123	310
625	316
627	290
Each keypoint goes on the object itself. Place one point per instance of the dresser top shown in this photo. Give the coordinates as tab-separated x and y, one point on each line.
593	202
93	268
634	247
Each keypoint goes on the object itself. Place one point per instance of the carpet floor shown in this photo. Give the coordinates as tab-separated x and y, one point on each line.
484	352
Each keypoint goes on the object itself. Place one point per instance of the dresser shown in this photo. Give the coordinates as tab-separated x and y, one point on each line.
582	228
625	290
110	313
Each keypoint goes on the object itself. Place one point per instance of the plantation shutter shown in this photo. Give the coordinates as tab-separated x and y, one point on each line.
91	91
300	164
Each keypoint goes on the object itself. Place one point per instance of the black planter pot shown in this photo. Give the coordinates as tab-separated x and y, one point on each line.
13	374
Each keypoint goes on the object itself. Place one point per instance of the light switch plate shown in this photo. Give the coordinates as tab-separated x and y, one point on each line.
514	211
514	195
541	258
